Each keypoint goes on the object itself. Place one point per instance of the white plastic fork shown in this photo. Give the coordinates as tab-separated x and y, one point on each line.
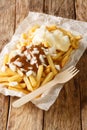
62	77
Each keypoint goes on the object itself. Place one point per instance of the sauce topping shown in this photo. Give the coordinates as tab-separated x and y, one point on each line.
31	58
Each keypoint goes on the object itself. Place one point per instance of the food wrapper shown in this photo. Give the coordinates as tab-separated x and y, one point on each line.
76	27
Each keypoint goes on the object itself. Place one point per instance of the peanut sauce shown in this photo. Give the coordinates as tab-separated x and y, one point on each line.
34	51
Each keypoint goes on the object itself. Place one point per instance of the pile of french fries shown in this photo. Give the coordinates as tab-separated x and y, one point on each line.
18	81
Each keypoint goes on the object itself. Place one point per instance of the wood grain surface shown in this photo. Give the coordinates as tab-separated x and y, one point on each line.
81	80
6	32
69	112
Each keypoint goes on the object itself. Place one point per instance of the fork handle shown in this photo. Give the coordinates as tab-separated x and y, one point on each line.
33	94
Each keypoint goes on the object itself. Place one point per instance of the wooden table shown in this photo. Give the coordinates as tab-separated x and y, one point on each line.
69	112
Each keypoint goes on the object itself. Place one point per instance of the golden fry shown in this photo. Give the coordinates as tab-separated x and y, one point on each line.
48	78
28	84
33	29
73	43
51	28
3	79
33	80
50	61
48	69
20	85
6	57
73	39
5	83
39	75
16	78
69	51
43	74
24	36
66	32
20	72
19	89
78	37
42	79
66	57
8	73
46	44
58	55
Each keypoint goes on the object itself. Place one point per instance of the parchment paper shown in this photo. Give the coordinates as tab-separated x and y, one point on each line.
76	27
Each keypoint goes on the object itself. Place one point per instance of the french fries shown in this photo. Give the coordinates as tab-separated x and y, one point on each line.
51	28
39	75
48	78
33	28
57	56
66	57
19	72
48	69
3	79
50	61
33	80
25	91
8	73
6	58
15	78
26	84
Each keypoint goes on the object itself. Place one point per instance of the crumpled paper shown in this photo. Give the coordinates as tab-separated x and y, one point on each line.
76	27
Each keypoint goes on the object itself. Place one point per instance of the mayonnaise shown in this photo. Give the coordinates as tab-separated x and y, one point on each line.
55	38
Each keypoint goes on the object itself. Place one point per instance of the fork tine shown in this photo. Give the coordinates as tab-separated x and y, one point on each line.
68	69
72	69
75	72
71	74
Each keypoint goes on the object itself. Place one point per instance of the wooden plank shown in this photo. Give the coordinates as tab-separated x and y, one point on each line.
81	10
65	113
4	106
4	4
36	5
81	14
6	31
22	10
28	117
81	81
6	25
63	8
